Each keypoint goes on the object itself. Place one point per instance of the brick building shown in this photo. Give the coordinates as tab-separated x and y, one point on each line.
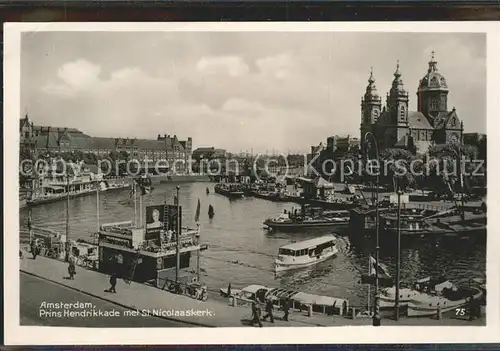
42	140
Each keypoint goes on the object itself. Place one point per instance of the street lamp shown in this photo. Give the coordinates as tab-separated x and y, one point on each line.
376	312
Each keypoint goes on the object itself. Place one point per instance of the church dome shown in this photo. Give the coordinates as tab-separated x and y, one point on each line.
433	80
397	84
371	89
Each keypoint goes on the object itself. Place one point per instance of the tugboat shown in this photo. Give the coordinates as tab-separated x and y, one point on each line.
211	212
229	190
308	218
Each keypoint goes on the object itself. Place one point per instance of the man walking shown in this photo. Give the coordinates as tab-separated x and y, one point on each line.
286	308
256	314
269	310
112	281
71	269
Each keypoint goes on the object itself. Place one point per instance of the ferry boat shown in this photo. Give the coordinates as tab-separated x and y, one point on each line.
229	190
298	301
308	218
305	253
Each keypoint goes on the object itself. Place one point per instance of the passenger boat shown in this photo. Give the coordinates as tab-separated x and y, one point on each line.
446	297
308	218
298	301
228	190
305	253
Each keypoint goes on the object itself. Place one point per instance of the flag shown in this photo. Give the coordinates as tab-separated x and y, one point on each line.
132	192
197	215
382	269
145	184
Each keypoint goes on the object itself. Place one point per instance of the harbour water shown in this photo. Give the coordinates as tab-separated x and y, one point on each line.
241	252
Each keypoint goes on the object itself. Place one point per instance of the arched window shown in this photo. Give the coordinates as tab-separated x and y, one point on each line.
402	113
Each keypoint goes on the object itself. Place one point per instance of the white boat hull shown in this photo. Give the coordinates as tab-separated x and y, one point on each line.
281	266
427	305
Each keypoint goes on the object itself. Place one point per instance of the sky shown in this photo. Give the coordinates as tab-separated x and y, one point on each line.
240	91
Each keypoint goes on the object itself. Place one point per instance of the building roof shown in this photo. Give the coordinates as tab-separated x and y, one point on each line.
433	80
417	120
306	244
102	143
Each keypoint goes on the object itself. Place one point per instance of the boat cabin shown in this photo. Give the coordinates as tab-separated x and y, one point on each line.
123	250
311	247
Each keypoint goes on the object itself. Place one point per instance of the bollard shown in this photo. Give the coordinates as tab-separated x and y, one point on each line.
353	311
439	313
309	310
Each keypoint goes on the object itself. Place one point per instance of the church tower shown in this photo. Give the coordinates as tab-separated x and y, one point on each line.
371	104
432	93
398	111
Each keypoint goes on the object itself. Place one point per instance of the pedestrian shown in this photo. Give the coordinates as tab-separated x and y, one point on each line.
34	250
71	269
256	314
21	254
269	310
286	308
112	281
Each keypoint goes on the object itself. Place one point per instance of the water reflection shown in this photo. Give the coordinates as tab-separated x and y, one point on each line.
241	252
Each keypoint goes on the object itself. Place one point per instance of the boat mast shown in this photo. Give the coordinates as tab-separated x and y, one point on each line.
177	248
67	207
97	204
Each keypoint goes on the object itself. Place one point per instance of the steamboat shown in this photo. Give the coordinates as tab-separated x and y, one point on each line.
232	191
308	218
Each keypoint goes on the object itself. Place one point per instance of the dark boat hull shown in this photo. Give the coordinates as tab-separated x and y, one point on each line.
297	226
230	194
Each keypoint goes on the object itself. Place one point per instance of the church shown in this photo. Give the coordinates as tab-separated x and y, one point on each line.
394	126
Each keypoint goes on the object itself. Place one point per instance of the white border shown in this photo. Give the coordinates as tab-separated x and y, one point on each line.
15	334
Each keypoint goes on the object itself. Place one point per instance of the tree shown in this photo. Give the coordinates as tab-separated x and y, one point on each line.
398	165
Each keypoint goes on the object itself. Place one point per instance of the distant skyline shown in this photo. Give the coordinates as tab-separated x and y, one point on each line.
237	90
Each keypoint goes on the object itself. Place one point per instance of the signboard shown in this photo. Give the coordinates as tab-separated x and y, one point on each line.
154	222
172	217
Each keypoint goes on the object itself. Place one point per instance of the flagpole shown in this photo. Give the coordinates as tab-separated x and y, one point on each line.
140	209
197	219
98	185
135	203
177	249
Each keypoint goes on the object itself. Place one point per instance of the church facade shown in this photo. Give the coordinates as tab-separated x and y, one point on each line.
395	126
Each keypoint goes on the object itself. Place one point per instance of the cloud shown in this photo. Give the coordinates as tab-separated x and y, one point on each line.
238	90
79	75
278	66
232	65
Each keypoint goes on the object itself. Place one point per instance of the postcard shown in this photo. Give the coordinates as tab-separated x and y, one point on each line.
288	182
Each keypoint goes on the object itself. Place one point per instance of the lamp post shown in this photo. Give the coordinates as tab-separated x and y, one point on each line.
376	312
398	259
